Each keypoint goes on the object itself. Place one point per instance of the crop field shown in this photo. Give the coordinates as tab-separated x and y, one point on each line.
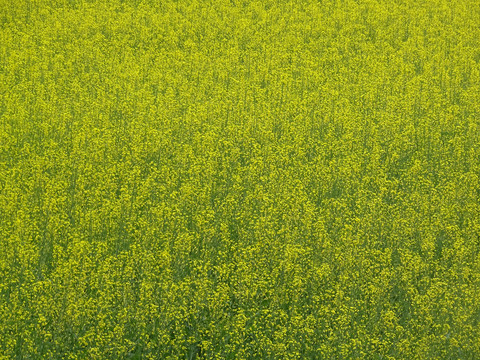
235	179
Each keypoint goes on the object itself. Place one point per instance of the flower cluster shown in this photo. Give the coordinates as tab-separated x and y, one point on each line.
239	179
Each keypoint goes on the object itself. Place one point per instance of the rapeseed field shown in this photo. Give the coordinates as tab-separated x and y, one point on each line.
236	179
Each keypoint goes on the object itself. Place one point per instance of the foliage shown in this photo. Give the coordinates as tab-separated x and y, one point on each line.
239	179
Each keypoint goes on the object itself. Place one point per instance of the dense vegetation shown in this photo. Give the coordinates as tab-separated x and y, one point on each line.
239	179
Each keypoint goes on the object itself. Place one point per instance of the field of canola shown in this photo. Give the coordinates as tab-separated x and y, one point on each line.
239	179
